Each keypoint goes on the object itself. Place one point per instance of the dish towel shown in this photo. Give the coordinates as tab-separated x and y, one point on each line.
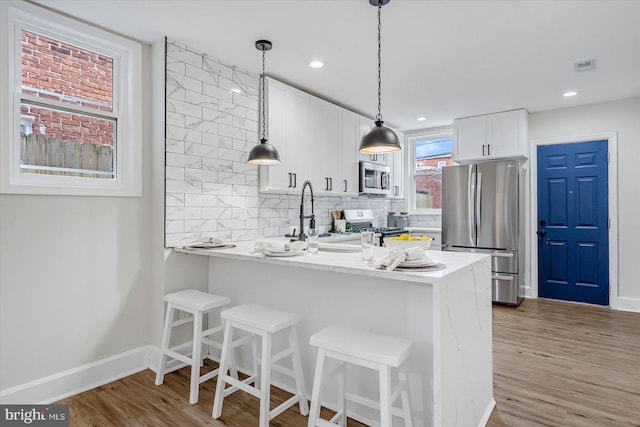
265	245
395	256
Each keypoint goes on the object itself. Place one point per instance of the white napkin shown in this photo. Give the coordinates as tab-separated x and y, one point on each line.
395	256
213	240
265	245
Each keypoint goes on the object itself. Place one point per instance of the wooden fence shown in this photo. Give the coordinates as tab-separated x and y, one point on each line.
424	201
54	156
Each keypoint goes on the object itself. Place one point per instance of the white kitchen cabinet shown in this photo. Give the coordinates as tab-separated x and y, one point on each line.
397	170
348	180
287	111
317	141
491	136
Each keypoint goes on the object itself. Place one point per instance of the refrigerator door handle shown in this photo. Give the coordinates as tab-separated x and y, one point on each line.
501	277
472	193
479	204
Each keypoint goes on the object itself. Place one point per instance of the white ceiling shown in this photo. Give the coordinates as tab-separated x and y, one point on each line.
441	58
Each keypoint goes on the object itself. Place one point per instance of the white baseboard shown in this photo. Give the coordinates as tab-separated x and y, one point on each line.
629	304
527	292
487	413
73	381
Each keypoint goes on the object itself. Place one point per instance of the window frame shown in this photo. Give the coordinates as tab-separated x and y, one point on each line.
429	133
126	99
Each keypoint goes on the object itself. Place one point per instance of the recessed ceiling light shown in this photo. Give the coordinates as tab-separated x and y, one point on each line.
316	64
570	93
421	119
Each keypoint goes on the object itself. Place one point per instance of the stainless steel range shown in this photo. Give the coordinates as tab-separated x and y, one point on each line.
362	220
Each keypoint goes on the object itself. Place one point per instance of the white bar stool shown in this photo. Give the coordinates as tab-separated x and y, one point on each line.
377	352
263	322
197	303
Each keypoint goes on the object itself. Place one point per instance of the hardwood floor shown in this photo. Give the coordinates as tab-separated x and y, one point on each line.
555	364
563	364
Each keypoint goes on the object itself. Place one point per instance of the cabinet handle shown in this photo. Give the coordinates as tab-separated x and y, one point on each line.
331	184
295	180
488	149
396	190
345	185
290	179
326	184
483	149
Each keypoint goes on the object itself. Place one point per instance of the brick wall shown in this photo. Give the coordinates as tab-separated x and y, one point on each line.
431	183
67	72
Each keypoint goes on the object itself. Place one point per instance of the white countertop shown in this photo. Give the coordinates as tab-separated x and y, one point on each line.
348	262
424	229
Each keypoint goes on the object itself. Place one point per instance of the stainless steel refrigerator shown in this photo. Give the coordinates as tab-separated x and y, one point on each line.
482	211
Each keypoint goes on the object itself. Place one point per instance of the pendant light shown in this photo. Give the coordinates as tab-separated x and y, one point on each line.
380	139
263	153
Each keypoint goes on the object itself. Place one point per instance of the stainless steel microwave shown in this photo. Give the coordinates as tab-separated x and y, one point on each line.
374	179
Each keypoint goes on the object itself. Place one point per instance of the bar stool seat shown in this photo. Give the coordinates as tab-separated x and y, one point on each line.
197	304
264	322
373	351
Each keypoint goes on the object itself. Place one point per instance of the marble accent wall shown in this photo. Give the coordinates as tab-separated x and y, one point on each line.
425	220
211	125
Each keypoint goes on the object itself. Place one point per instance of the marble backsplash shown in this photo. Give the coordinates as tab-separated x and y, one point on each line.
211	125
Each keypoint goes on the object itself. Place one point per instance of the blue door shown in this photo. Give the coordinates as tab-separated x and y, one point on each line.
573	220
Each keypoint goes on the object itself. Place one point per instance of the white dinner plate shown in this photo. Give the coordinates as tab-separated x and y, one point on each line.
205	245
282	254
417	263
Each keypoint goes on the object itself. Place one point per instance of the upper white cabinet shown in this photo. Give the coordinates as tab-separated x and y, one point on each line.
397	170
492	136
348	181
287	109
317	141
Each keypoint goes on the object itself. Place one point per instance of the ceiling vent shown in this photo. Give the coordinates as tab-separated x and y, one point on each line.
586	65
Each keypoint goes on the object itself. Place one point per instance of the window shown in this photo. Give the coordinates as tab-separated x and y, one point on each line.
73	109
430	151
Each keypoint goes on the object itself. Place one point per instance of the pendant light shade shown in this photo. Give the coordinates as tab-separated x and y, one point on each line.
263	153
380	139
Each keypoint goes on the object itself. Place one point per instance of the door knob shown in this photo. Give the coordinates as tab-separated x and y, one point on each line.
542	233
543	223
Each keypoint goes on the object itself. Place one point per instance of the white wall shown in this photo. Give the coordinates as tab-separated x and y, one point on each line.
74	277
623	117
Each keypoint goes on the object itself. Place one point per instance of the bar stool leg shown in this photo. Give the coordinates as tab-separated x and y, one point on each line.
342	401
385	395
166	336
254	350
227	344
196	358
316	394
297	370
265	380
404	396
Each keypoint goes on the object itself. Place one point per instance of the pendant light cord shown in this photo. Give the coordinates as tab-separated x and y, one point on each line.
379	115
264	121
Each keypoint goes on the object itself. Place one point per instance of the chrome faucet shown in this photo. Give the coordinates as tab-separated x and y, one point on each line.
312	221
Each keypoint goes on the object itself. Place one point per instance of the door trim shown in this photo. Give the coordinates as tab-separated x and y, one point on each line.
532	212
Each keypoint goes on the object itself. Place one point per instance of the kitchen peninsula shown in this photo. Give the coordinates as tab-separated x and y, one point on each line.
446	313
